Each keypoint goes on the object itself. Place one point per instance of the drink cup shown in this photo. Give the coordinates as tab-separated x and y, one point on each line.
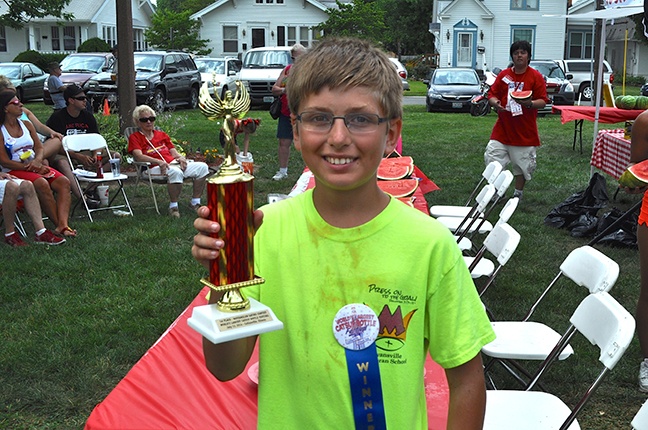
102	190
114	166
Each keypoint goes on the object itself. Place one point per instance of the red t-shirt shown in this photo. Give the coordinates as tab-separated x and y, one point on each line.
161	143
520	130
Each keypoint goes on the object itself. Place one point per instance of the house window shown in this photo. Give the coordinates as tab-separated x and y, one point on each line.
69	39
303	36
138	40
281	36
298	35
56	42
110	35
230	38
3	39
580	44
524	4
259	1
523	33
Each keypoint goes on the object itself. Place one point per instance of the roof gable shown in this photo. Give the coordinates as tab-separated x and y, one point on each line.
447	11
319	5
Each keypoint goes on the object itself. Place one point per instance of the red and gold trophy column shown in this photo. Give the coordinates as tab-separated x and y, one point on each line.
230	199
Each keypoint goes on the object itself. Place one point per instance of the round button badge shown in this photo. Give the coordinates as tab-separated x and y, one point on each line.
355	326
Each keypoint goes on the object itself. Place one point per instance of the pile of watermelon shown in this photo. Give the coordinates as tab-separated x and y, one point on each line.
631	102
636	176
394	177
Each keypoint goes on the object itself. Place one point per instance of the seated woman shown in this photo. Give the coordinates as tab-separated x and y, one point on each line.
23	158
155	147
11	190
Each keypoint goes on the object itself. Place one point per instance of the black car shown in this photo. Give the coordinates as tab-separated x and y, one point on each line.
452	89
162	79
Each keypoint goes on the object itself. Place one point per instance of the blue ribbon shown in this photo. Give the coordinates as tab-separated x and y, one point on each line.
366	389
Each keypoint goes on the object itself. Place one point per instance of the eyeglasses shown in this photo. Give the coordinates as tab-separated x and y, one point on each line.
14	102
82	98
149	119
322	122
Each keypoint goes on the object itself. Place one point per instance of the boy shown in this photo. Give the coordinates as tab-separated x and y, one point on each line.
347	242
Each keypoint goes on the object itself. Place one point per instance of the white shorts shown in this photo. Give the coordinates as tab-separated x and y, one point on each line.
175	175
522	158
3	184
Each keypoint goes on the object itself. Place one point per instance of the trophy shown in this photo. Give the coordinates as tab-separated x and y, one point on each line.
230	199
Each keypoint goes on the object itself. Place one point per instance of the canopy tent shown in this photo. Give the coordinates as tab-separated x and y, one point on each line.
621	9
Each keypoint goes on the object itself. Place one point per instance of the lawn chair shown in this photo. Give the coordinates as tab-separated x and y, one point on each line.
490	174
606	324
640	420
141	167
17	222
502	243
527	340
93	142
458	225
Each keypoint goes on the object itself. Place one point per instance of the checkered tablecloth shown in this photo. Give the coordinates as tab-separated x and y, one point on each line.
611	152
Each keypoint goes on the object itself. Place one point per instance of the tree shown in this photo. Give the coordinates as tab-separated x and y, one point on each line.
361	18
407	24
174	30
22	11
184	5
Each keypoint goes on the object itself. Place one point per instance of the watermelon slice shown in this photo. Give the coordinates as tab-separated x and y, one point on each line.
399	188
521	95
636	176
395	168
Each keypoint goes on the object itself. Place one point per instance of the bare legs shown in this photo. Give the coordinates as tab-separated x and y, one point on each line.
284	152
10	201
57	211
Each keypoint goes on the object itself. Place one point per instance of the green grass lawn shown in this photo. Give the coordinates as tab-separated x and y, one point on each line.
75	318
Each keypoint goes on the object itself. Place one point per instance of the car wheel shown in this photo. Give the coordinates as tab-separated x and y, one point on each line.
586	92
157	101
428	107
193	98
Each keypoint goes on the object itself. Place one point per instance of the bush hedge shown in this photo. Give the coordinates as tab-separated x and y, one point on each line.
94	44
41	60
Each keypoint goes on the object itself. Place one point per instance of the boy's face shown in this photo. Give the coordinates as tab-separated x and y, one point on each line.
520	58
339	158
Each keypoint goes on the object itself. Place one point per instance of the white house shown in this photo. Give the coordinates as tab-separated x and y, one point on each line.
92	18
234	26
479	33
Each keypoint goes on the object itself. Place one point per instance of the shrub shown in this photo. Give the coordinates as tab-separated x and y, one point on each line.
109	128
94	44
419	71
631	81
33	57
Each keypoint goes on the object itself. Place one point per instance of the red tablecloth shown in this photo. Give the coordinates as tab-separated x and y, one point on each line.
170	388
607	115
611	152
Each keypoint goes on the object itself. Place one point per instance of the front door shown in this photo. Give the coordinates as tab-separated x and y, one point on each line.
464	49
258	37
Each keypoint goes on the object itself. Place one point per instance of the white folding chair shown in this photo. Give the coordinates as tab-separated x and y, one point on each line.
458	225
94	142
489	175
640	420
501	242
141	167
528	340
466	244
604	323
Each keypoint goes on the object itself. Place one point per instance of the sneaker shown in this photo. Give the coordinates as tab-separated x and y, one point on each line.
48	238
279	176
194	207
643	376
174	212
14	240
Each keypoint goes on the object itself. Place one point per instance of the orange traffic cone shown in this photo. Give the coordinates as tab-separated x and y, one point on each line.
106	108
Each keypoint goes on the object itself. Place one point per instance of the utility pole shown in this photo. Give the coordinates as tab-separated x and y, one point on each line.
126	69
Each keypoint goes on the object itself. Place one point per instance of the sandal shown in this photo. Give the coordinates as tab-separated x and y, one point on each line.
67	232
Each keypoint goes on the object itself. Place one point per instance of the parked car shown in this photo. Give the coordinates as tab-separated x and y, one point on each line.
28	79
452	89
581	71
559	90
644	90
261	68
78	68
162	79
219	73
402	72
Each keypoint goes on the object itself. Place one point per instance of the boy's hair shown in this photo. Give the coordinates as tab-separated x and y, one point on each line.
140	109
53	66
523	45
346	63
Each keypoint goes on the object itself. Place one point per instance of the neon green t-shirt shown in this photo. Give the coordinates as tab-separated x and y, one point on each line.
404	265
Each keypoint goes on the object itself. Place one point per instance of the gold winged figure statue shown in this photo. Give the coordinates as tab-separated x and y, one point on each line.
227	109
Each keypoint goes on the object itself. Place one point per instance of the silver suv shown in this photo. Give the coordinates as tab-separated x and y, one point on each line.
582	73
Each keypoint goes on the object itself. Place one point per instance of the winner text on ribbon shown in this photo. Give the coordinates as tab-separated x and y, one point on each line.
238	321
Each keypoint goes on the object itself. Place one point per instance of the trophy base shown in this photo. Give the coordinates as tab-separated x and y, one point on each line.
218	326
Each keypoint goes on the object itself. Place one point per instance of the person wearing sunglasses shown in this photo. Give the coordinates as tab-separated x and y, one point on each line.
76	119
23	158
155	147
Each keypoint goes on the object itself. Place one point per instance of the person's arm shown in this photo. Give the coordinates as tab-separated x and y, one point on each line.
226	360
179	158
495	103
36	165
277	89
467	395
40	127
